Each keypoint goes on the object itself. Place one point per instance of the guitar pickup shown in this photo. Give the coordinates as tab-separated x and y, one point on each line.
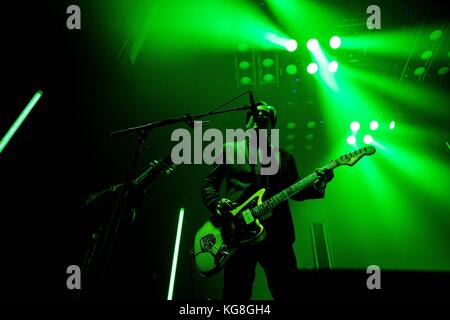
248	217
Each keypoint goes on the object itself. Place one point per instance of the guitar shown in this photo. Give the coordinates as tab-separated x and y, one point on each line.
219	238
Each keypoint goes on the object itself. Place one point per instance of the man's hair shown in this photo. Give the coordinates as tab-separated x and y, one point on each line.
263	105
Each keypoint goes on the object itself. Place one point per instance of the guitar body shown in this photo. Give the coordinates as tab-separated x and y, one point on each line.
218	239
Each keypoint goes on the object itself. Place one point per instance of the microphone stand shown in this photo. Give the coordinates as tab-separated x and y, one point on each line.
101	253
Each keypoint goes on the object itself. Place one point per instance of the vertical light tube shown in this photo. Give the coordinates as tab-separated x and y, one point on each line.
19	120
175	255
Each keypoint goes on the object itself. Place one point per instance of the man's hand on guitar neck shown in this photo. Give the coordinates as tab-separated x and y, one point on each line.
325	176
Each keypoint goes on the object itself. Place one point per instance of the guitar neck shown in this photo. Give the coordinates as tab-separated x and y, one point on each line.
263	211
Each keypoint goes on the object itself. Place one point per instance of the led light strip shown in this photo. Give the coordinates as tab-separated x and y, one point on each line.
19	120
175	255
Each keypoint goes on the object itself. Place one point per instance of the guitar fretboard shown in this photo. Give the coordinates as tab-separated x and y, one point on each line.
263	211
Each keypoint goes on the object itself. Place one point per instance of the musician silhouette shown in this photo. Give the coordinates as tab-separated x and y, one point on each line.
275	253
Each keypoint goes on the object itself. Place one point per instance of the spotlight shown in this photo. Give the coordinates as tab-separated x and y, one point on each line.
333	66
351	140
368	139
291	45
335	42
354	126
392	125
312	68
312	45
374	125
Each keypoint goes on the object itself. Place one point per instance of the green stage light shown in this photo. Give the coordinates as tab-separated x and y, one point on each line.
354	126
392	125
351	140
374	125
268	77
267	63
290	137
312	45
442	71
419	71
244	65
436	34
335	42
20	120
312	68
333	66
291	125
246	80
309	136
426	55
368	139
291	45
291	69
311	124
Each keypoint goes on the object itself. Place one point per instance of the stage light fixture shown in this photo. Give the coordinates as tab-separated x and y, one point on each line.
291	45
291	69
368	139
244	65
333	66
351	140
354	126
373	125
312	45
312	68
443	70
246	80
268	77
335	42
419	71
268	62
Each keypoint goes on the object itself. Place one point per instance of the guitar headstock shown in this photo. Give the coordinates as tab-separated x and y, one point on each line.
166	165
351	158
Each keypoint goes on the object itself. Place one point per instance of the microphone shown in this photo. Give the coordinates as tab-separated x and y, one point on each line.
253	109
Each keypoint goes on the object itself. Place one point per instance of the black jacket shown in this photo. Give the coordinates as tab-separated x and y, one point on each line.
242	182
